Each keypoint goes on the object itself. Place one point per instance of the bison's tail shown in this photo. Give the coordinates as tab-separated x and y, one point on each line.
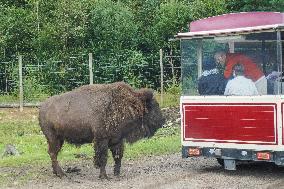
44	124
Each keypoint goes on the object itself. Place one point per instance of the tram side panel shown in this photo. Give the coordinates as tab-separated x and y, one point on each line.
233	130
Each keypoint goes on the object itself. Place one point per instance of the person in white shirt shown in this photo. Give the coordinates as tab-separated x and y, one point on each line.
240	85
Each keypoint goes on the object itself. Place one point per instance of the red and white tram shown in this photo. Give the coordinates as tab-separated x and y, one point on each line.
234	128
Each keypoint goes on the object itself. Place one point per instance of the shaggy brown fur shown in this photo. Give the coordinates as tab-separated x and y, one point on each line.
102	114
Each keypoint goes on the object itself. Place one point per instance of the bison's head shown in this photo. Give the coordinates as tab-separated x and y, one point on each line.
151	120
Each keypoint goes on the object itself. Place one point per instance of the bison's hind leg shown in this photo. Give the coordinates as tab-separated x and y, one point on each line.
117	154
54	146
100	157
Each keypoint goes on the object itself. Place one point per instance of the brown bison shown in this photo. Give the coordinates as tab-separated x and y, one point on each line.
102	114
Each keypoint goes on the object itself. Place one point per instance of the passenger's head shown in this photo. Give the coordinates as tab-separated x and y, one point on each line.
220	58
208	63
238	70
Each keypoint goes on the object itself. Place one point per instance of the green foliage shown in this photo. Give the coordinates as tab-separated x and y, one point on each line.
172	17
207	8
145	13
64	73
17	30
171	97
174	89
189	86
121	34
62	27
34	90
135	62
16	3
255	5
111	27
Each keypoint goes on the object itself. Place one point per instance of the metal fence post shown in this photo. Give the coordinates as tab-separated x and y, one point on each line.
199	59
162	76
21	92
91	68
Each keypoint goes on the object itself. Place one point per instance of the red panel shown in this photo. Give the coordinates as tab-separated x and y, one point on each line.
230	122
237	20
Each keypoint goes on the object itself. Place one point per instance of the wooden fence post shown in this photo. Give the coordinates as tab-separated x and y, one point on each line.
21	92
162	76
91	68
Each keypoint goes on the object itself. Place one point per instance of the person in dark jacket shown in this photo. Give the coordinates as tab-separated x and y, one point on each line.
211	82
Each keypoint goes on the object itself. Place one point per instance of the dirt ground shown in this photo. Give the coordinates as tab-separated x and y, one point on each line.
167	171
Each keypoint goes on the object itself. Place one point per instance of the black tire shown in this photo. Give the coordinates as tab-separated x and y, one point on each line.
220	161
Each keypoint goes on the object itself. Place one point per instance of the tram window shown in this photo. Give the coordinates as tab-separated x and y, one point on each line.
259	48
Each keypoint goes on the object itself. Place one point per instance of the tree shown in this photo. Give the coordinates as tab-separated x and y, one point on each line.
63	27
111	27
254	5
206	8
145	12
171	18
15	3
17	30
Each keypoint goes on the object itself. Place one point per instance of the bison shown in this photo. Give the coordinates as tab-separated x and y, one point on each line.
103	114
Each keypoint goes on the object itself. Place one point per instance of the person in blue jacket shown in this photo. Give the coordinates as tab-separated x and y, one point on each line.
211	81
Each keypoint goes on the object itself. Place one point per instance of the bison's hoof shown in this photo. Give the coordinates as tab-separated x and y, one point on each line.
116	173
96	164
59	173
116	170
103	176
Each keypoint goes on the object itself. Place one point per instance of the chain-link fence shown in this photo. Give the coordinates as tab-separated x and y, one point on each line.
170	76
9	81
26	81
35	80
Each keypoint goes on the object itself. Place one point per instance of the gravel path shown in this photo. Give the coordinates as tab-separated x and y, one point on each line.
167	172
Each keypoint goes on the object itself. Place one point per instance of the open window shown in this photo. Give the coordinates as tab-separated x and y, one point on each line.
265	49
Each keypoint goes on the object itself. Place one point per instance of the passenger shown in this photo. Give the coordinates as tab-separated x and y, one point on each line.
240	85
272	82
211	82
251	70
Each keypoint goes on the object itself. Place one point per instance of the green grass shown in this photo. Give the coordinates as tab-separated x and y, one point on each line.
171	96
32	145
169	99
166	141
8	99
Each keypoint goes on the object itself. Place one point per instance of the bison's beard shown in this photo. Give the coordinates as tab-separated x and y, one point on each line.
146	129
136	134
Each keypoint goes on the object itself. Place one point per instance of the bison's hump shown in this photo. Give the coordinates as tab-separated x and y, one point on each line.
112	103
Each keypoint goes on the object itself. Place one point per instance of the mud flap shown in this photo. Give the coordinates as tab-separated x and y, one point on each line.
230	164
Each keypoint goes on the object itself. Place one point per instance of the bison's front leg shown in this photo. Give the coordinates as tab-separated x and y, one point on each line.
100	158
117	154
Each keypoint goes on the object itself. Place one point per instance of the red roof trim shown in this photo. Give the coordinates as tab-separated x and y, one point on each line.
237	20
